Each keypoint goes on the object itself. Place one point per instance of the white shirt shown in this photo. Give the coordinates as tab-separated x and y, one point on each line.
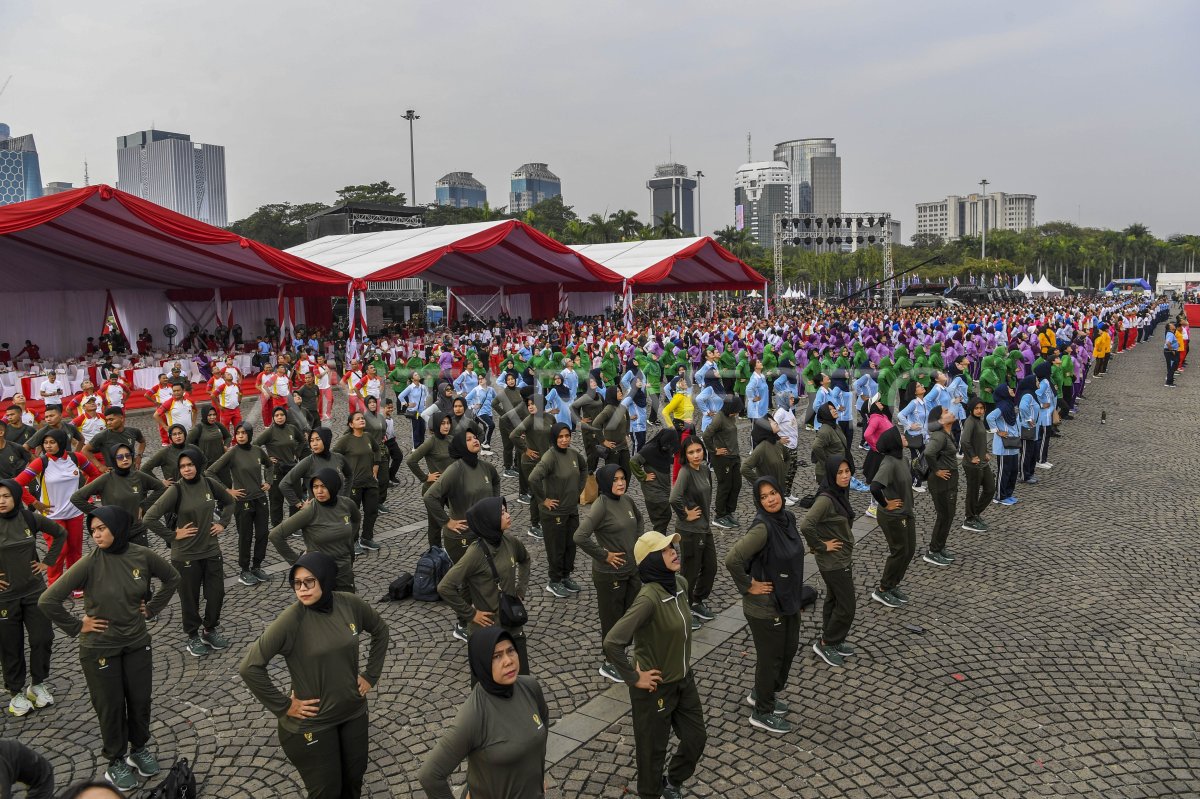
322	376
788	430
114	395
48	389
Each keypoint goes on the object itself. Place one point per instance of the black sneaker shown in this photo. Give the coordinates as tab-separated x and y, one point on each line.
214	639
770	722
535	531
701	610
557	590
670	791
261	575
369	544
781	707
511	473
460	632
609	672
570	585
247	578
523	499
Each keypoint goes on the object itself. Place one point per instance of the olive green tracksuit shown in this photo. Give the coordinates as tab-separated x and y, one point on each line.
611	526
766	461
612	424
19	613
588	406
210	439
331	529
776	635
322	654
659	626
533	433
166	459
559	475
203	503
116	663
470	586
512	412
820	524
899	526
940	454
828	442
460	487
697	549
656	492
132	493
362	454
981	481
247	468
435	451
722	433
284	443
295	485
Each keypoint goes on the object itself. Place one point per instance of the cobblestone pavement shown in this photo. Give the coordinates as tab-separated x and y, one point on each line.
1059	656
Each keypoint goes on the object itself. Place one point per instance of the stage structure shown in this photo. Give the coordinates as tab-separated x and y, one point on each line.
826	233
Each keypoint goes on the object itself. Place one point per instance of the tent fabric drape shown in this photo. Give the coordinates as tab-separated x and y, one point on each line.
60	322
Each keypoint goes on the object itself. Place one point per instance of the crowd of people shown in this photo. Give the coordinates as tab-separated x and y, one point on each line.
892	404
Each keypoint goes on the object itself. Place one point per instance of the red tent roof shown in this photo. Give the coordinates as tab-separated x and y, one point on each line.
481	254
666	265
100	238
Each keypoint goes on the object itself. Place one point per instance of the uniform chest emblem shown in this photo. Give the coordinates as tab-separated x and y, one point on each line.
137	574
346	519
3	614
74	472
353	629
103	663
537	721
28	533
661	705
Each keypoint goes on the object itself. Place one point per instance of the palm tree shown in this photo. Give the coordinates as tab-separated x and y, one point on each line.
601	230
627	223
576	232
667	228
736	241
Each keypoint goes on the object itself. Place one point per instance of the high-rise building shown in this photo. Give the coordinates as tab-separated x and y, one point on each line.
761	189
531	184
175	172
958	216
56	187
20	172
460	190
673	192
815	175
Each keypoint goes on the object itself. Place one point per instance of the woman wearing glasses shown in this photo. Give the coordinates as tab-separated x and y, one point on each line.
129	489
323	725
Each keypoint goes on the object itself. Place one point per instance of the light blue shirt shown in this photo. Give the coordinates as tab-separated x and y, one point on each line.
958	391
1170	342
465	382
844	400
637	415
571	381
938	396
708	400
865	387
480	399
1001	445
785	391
415	397
822	397
1046	396
758	399
1028	412
560	408
914	418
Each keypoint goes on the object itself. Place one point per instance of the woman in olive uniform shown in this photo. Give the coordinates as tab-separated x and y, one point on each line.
691	499
362	456
893	490
247	468
556	482
22	582
166	460
202	508
435	449
652	467
284	443
767	566
829	440
513	411
321	456
129	489
940	454
766	458
114	644
662	686
470	586
607	534
376	429
501	730
611	428
329	522
532	435
323	722
827	530
209	436
465	481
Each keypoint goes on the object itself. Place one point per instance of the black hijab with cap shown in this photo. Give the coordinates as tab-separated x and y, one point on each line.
331	480
830	488
653	569
604	479
119	523
480	649
324	568
484	519
659	452
458	449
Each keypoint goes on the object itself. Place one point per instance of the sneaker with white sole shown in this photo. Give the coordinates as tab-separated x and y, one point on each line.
790	501
39	695
920	489
871	511
781	707
121	776
215	640
247	578
19	705
770	722
936	559
701	610
460	632
197	648
899	595
609	672
828	654
557	590
144	762
885	598
1045	465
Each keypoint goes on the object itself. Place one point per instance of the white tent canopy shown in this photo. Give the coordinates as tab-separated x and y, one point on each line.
1026	285
1045	288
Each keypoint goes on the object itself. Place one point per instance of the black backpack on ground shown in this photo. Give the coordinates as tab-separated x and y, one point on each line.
180	783
398	589
431	568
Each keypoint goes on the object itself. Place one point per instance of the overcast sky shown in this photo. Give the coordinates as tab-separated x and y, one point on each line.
1089	104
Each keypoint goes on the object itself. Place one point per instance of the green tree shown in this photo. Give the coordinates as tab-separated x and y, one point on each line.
551	217
381	192
602	230
280	225
667	228
628	223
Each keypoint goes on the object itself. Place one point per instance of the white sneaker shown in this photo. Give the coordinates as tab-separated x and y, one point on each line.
792	499
19	705
1045	465
919	489
789	501
871	511
40	695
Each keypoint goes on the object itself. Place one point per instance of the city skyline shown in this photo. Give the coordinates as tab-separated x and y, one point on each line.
1021	95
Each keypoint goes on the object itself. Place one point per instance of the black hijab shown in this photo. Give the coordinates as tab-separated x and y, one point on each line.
435	422
480	649
326	436
761	431
16	490
610	396
971	403
249	428
659	452
204	411
1042	370
653	569
560	387
119	523
604	479
1026	385
171	429
331	480
1004	401
111	456
196	457
61	438
484	519
459	451
324	569
890	443
830	488
779	524
825	414
554	431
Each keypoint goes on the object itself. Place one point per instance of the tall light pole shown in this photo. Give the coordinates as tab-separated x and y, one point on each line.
699	216
411	116
983	220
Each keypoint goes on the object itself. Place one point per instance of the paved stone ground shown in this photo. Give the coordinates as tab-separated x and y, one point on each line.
1059	657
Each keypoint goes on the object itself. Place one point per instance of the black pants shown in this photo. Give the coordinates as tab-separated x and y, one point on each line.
207	576
251	515
698	553
19	617
332	761
837	615
395	458
489	427
275	494
618	456
672	706
981	487
847	429
559	533
590	442
120	685
775	643
526	468
1172	359
510	449
1043	444
367	499
945	502
639	440
658	502
1008	467
913	454
1029	455
901	535
418	430
614	594
728	471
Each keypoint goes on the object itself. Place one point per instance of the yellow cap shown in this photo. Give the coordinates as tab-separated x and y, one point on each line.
652	541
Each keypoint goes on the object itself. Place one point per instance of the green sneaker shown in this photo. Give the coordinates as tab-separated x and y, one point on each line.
144	762
936	558
558	590
900	595
845	650
571	585
121	776
770	722
781	707
828	654
215	640
197	648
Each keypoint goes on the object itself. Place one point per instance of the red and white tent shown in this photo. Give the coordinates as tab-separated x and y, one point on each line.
673	265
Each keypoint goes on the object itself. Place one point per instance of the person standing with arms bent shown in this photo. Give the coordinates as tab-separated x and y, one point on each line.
691	499
323	723
556	482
